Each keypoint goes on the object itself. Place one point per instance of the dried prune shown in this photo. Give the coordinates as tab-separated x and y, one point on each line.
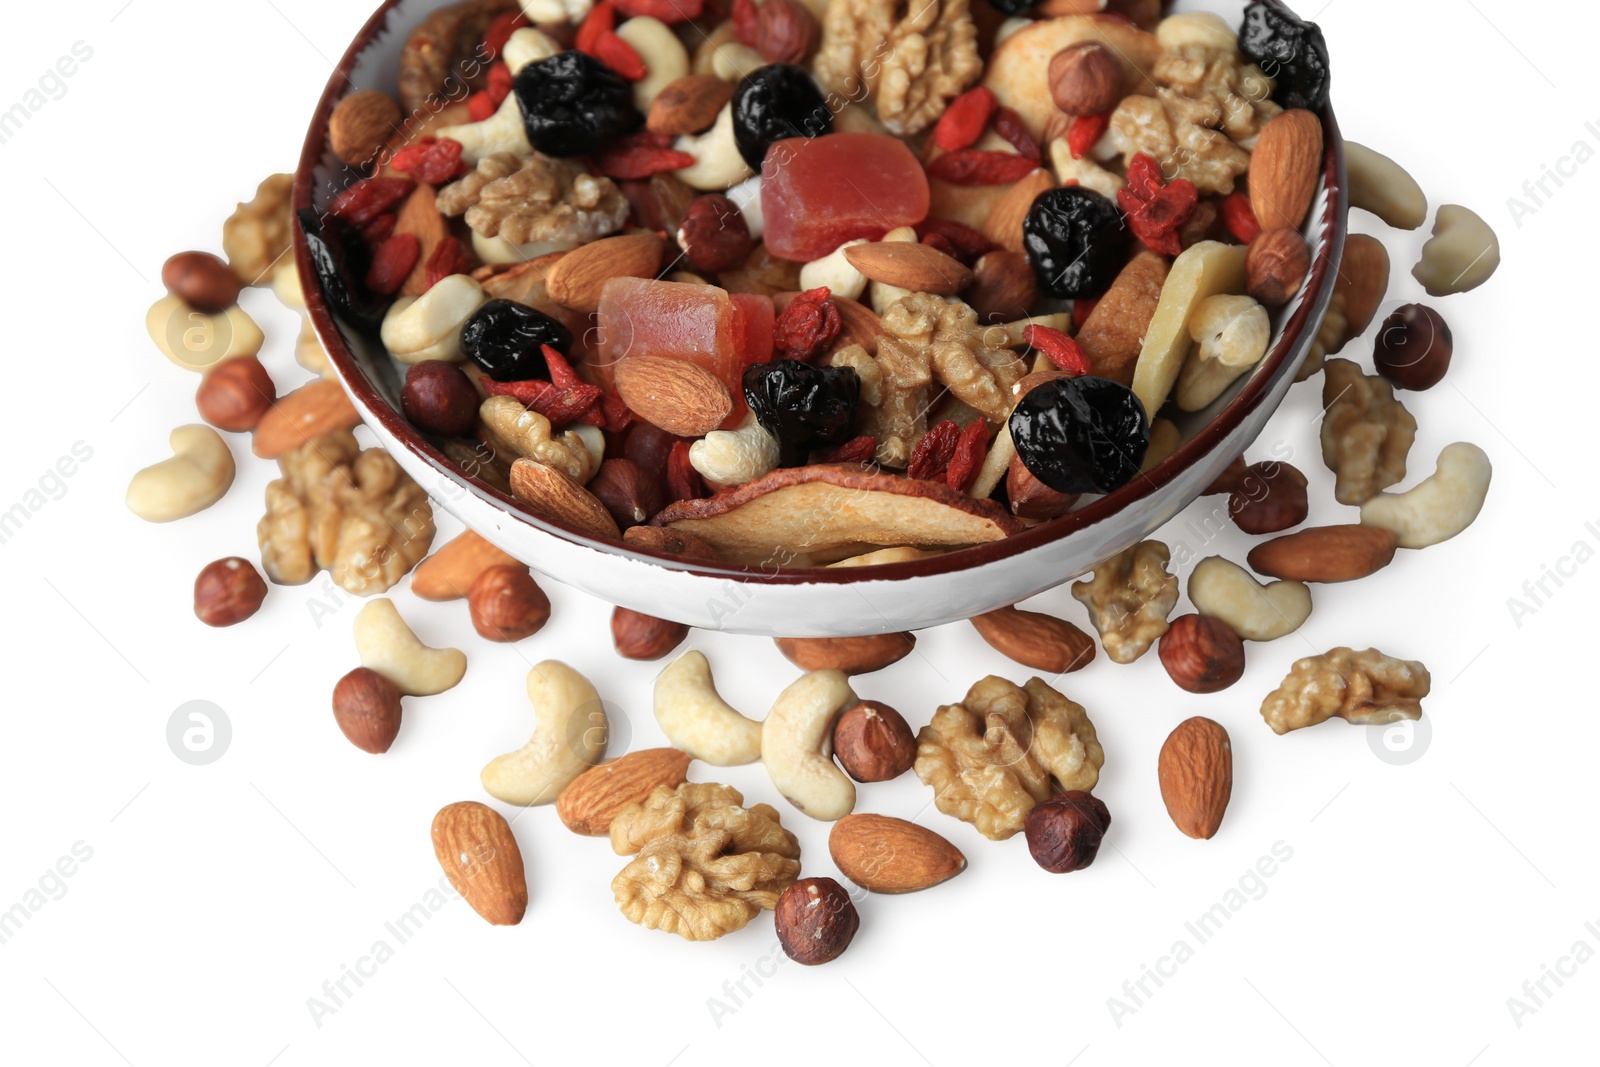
341	260
779	100
1290	51
572	104
1081	435
504	338
1074	238
804	407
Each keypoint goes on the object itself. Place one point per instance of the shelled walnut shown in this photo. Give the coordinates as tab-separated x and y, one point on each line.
355	514
1366	432
1129	598
257	233
704	864
544	200
1173	128
912	57
1215	89
1363	688
999	752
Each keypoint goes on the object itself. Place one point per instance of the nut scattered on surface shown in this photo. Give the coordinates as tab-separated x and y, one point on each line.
1064	832
1035	639
700	722
636	635
704	864
1363	688
386	644
1462	254
1380	185
202	281
1413	347
1129	598
873	742
1441	506
196	476
474	845
852	655
991	758
228	591
448	574
1270	498
257	234
1196	774
597	796
889	855
316	408
235	394
1202	654
570	731
1224	590
797	744
366	707
507	604
815	917
1325	554
1366	432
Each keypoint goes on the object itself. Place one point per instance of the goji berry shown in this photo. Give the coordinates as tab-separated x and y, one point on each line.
1144	176
964	121
942	243
1240	217
1086	133
1058	348
480	107
856	450
500	31
563	399
639	156
969	243
807	327
392	263
683	481
619	55
930	460
744	21
611	414
971	449
602	18
431	161
1008	124
972	166
369	198
1155	212
668	11
562	376
378	230
448	258
499	84
1082	308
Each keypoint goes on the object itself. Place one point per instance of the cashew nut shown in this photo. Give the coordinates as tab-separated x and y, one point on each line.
734	61
503	131
1010	26
1197	28
700	722
569	736
1232	333
497	250
198	474
733	457
1439	507
553	12
1086	172
665	58
717	162
797	745
835	272
746	196
1222	589
387	645
525	46
194	340
1462	255
1380	185
527	433
429	326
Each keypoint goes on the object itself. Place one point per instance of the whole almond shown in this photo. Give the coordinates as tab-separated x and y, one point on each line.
577	277
689	104
1004	224
889	855
852	655
1325	554
1284	169
474	845
1003	287
556	497
1196	774
859	324
644	637
361	124
312	410
600	793
448	574
1035	640
682	398
1363	282
918	267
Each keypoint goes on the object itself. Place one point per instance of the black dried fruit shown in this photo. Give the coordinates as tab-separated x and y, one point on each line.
804	407
1290	51
1013	7
504	338
1075	239
572	104
779	100
1081	435
340	258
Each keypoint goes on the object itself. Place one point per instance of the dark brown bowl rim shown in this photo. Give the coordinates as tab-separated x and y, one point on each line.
1320	287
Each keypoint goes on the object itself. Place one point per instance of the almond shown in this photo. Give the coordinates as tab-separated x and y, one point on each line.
1363	282
558	498
918	267
449	573
361	124
1196	774
859	325
689	104
419	217
1325	554
1004	224
1035	640
577	277
644	637
682	398
1284	168
889	855
599	794
312	410
473	844
853	655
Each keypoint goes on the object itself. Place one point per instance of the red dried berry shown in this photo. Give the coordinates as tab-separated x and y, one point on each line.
369	198
964	121
807	327
378	230
480	107
668	11
560	405
392	263
619	55
1155	212
683	481
500	31
1062	351
1086	132
499	84
1240	218
856	450
640	155
449	257
1008	124
971	449
972	166
562	376
969	244
940	242
611	414
602	18
931	458
745	20
431	161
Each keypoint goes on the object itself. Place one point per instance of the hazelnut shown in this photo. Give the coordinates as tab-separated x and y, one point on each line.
640	636
361	124
815	918
713	234
366	705
1276	266
1085	79
507	604
1413	348
1032	499
1064	832
673	542
201	280
873	742
235	394
1202	654
786	31
439	399
1003	287
1269	498
228	591
631	495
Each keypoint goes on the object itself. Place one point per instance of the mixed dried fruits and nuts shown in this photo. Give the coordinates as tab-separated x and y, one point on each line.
909	290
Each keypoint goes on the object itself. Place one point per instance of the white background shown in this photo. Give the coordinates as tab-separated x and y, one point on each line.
218	899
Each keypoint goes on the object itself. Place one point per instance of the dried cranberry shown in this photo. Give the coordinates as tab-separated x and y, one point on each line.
807	327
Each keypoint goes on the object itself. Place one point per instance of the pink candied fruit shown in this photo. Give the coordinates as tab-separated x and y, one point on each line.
697	323
817	193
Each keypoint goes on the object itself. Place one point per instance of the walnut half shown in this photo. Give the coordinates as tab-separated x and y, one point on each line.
1366	432
1365	688
537	200
1129	597
912	56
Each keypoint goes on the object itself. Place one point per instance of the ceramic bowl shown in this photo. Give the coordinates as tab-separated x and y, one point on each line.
807	602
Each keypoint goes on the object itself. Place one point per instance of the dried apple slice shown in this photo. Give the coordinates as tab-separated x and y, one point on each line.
1020	66
1204	270
824	513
